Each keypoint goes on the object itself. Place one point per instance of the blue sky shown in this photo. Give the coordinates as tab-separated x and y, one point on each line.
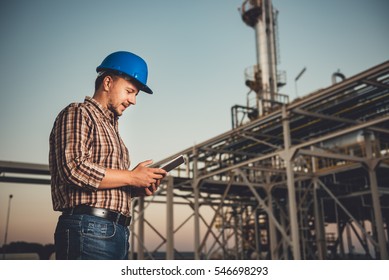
196	51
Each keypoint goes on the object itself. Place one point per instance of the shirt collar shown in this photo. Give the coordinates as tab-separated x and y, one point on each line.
104	111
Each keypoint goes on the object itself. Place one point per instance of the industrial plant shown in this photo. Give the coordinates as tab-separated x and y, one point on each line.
293	179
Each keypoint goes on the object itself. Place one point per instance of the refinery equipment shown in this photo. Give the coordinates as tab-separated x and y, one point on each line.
306	179
302	180
263	79
309	180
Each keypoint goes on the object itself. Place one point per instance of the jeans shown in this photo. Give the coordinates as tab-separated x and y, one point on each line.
85	237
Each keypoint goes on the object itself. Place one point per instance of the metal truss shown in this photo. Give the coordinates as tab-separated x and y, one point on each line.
309	180
305	181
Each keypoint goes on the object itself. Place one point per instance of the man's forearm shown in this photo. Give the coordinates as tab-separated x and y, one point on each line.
114	178
141	176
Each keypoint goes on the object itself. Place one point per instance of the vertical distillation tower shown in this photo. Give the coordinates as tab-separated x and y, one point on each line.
263	78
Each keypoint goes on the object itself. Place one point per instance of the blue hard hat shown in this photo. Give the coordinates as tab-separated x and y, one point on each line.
129	64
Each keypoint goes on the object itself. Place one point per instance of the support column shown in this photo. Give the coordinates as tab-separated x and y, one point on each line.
236	234
379	224
196	194
257	231
319	225
274	255
288	158
169	219
141	228
319	220
131	254
285	245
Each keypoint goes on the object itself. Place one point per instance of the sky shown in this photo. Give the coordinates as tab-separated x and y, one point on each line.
196	51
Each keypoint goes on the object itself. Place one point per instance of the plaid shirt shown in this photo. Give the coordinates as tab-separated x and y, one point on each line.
84	142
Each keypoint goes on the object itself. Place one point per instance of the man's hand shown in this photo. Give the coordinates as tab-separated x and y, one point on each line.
142	178
146	177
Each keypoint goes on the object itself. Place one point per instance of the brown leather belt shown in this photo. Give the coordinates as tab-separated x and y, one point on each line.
99	212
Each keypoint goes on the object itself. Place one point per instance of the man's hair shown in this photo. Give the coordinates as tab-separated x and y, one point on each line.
114	74
100	77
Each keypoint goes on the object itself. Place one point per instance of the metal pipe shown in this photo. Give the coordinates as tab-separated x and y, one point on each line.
265	47
337	75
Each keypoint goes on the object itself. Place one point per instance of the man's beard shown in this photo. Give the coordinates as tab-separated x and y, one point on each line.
115	110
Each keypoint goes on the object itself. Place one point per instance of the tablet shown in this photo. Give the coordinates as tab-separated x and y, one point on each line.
173	163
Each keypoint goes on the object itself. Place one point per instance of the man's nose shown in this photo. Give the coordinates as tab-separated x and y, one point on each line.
132	99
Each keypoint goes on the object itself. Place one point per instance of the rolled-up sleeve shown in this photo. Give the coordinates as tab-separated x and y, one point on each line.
74	146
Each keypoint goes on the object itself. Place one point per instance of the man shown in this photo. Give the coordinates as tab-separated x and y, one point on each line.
89	164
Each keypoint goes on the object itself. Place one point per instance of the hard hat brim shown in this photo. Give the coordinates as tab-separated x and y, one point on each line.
146	89
142	87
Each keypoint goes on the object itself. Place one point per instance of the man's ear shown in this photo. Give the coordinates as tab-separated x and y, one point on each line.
107	83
